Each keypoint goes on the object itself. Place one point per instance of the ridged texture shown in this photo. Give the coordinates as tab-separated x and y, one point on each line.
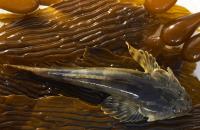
28	85
64	113
63	31
191	82
14	82
24	119
51	113
9	86
58	36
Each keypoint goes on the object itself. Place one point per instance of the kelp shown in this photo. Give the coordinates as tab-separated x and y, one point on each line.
29	118
190	81
133	2
65	113
63	31
21	112
42	39
176	11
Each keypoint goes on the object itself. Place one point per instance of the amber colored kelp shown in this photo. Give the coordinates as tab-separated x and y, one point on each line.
79	33
64	113
20	112
62	31
11	80
30	115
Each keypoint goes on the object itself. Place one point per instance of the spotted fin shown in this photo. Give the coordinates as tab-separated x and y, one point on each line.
122	110
146	60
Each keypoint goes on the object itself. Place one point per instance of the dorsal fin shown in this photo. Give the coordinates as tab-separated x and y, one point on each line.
122	110
145	59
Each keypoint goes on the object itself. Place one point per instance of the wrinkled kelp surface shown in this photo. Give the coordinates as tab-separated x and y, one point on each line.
51	113
61	32
188	122
64	113
78	33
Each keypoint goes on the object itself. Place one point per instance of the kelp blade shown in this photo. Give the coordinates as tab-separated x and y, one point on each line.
62	31
64	113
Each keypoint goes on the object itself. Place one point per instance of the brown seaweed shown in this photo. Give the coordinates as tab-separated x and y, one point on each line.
64	113
62	31
91	58
20	112
65	35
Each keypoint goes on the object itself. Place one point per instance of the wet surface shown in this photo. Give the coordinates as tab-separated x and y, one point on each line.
185	74
66	35
65	113
180	30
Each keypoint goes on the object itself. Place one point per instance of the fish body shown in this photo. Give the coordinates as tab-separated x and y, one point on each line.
154	94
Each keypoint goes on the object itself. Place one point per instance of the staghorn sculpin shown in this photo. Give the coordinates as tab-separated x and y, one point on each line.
154	94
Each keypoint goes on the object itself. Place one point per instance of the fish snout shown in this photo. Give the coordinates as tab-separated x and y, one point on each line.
182	106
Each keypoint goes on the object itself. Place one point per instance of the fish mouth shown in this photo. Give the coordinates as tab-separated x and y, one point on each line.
158	116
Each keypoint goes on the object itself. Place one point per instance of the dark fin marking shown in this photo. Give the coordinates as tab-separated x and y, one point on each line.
122	110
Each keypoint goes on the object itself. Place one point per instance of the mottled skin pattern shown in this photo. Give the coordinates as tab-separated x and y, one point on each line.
154	94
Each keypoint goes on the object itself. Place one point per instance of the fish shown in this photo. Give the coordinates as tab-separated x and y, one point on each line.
134	96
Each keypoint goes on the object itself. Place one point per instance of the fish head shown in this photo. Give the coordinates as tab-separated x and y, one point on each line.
169	99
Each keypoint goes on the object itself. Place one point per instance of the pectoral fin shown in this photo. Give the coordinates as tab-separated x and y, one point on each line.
146	60
122	110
